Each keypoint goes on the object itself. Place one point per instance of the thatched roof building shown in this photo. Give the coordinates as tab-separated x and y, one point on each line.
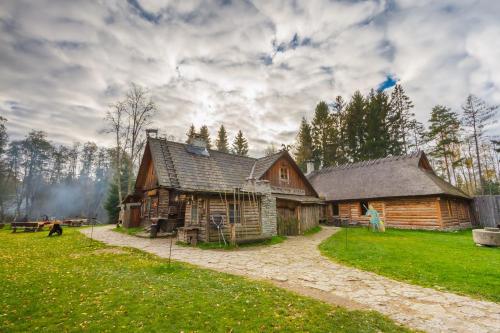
405	190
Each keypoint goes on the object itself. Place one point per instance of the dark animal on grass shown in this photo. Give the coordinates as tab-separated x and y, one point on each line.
56	229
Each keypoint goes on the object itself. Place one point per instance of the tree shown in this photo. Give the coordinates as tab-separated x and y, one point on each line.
355	126
339	131
399	119
270	150
321	131
205	135
140	109
190	134
304	145
5	189
115	119
112	204
443	131
377	140
416	134
240	144
477	114
37	151
221	143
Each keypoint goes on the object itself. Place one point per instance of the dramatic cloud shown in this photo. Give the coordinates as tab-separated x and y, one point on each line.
258	66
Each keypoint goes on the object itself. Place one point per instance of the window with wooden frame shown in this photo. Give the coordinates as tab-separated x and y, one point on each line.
234	213
335	209
284	174
147	206
363	205
194	212
448	202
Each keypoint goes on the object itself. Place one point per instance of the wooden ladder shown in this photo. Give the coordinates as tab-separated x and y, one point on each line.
172	174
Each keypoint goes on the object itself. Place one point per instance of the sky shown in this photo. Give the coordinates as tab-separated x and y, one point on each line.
258	66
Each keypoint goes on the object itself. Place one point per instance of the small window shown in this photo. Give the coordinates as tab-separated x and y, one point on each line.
335	209
194	212
364	207
234	213
449	207
284	174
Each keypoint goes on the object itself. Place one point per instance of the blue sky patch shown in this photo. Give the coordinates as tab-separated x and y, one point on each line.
390	81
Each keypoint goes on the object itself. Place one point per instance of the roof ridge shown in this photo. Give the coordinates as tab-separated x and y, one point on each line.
209	149
366	163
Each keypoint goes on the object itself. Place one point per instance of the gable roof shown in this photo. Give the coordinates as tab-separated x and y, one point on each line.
399	176
177	167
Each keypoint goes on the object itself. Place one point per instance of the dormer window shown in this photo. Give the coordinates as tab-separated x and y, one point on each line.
284	175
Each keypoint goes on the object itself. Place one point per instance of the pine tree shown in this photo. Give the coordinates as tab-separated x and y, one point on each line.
355	126
240	145
190	134
221	143
377	137
112	204
399	120
416	135
477	114
205	135
443	131
304	145
338	131
321	131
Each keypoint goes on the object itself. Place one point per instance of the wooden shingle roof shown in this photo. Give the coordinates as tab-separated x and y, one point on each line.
176	167
400	176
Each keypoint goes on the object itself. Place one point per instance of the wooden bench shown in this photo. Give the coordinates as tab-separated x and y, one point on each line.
27	226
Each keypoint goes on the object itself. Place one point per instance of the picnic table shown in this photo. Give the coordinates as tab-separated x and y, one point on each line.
27	226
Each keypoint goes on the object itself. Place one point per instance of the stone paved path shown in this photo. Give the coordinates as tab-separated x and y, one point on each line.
297	265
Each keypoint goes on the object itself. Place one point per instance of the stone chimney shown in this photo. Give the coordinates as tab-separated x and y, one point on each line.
309	167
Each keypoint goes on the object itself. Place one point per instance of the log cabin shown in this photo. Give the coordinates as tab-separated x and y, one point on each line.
214	195
404	190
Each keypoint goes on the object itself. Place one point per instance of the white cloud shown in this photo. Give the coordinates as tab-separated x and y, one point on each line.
232	62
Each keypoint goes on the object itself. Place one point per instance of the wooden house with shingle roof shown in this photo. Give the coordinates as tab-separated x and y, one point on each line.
404	189
189	186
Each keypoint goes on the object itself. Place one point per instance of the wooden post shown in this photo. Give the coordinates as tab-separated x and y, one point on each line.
233	225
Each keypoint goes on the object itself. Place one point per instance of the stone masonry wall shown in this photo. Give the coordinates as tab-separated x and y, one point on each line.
268	205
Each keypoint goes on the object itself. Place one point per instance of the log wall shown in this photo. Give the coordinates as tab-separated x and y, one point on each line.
411	213
248	227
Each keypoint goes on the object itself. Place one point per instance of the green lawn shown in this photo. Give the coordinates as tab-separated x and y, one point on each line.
69	283
312	231
220	246
442	260
128	231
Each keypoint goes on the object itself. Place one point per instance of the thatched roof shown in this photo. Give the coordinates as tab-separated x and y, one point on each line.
400	176
180	166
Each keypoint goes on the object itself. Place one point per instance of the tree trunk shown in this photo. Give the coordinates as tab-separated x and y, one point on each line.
481	182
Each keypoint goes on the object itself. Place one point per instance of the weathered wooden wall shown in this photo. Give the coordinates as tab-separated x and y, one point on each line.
294	218
295	180
413	213
487	210
247	228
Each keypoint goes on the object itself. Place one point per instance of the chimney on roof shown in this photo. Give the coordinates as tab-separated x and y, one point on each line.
150	131
309	167
198	141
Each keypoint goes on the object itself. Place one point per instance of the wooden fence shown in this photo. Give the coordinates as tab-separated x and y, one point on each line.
487	210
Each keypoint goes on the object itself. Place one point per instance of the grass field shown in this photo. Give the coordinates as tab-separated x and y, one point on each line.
69	283
442	260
